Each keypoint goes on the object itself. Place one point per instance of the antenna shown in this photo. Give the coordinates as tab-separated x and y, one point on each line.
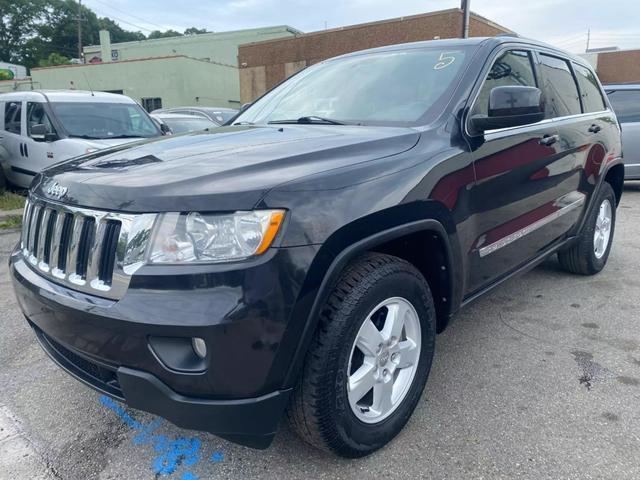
87	80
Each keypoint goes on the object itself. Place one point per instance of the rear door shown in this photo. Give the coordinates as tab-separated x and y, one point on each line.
519	188
626	104
584	124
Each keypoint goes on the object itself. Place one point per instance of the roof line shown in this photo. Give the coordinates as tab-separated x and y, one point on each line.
293	30
381	22
74	65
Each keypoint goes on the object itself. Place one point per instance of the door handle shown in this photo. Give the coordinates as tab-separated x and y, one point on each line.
595	128
26	152
548	140
21	150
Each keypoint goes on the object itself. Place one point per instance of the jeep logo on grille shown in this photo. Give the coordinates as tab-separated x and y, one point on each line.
56	190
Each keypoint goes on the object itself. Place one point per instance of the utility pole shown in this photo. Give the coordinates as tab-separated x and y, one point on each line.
588	39
465	18
80	31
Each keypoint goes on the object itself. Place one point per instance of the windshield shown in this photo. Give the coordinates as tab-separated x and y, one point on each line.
386	88
104	120
182	125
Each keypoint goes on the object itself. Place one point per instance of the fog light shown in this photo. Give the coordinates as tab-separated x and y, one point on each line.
199	346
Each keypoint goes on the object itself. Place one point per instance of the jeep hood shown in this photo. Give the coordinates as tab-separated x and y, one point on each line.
225	169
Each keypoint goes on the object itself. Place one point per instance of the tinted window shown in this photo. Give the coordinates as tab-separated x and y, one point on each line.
12	117
104	120
511	68
36	115
592	100
560	91
626	104
397	87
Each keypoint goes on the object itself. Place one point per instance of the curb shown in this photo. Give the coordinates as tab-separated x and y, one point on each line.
5	214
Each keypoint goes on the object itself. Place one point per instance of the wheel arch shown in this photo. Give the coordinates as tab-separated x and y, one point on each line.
335	255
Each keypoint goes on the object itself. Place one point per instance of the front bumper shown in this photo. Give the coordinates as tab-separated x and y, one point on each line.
241	313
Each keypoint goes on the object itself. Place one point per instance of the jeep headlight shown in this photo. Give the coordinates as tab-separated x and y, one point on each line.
210	238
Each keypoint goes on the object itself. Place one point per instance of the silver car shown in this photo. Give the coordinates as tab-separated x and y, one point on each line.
625	100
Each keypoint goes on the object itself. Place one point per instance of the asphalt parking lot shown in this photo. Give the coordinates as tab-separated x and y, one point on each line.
540	379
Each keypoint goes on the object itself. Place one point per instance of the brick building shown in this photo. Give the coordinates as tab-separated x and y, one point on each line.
266	63
617	66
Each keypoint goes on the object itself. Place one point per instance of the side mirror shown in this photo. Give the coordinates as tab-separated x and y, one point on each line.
510	106
164	128
39	132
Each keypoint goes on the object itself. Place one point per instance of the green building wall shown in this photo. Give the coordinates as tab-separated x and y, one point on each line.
177	80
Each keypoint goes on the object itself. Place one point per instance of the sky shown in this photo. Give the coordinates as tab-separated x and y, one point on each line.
564	23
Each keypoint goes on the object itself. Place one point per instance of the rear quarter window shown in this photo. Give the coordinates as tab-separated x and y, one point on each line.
626	104
590	92
559	87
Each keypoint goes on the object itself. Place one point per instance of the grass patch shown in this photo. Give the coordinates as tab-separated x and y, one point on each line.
11	201
12	221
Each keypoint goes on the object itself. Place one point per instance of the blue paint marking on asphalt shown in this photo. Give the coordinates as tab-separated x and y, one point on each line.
217	457
173	453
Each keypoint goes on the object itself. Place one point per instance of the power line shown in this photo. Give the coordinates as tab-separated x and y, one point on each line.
131	15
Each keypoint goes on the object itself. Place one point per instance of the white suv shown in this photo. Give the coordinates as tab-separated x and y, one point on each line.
40	128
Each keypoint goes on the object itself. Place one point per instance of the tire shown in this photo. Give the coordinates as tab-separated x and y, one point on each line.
4	184
320	410
583	257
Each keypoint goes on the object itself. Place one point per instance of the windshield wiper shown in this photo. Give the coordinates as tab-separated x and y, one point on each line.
311	119
87	137
243	123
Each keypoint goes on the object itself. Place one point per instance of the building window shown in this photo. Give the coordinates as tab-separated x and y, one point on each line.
151	104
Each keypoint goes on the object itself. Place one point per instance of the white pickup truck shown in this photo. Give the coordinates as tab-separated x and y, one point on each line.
42	127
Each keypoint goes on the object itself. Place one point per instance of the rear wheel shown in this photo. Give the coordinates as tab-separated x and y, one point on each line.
369	359
589	255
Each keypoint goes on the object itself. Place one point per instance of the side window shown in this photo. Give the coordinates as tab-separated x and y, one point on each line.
592	100
626	104
151	104
559	87
36	115
514	67
12	117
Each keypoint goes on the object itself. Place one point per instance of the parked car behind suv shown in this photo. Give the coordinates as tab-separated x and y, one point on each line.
42	127
625	100
176	123
218	115
304	258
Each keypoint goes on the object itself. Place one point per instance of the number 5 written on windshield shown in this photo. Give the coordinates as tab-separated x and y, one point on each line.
444	60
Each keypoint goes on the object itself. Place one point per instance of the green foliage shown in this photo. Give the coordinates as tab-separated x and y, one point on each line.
159	34
54	59
31	31
195	31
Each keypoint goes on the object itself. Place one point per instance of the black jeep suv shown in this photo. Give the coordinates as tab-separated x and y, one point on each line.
303	258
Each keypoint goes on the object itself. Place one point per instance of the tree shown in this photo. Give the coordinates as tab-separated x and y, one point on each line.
20	19
167	34
195	31
54	59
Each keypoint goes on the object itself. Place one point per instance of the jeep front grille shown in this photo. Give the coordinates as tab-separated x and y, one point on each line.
87	250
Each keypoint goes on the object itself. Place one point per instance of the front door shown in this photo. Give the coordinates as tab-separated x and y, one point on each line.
524	198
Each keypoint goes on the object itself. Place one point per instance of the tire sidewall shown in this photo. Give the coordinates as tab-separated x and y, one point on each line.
606	193
364	436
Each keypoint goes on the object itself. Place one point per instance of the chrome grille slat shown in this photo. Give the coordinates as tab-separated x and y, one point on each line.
97	249
42	235
31	239
83	249
54	256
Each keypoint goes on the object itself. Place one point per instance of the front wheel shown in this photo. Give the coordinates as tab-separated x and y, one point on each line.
369	359
589	255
